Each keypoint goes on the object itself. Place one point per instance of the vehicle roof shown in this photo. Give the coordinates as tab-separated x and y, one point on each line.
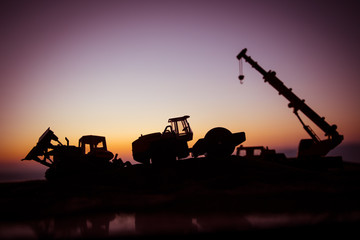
178	118
92	138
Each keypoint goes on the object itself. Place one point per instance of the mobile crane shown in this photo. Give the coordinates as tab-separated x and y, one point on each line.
308	148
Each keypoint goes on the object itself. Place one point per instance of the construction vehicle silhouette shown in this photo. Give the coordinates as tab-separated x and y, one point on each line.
164	148
308	148
65	161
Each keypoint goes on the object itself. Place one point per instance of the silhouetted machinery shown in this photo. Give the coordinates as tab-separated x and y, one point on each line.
64	160
163	148
308	148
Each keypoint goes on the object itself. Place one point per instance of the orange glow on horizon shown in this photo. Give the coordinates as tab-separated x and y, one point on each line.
123	71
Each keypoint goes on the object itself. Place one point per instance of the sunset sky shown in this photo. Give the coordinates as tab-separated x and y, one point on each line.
121	68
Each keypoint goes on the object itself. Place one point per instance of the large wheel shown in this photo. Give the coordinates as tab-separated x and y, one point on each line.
163	152
218	143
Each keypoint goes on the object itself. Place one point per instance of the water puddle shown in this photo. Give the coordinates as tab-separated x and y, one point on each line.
131	224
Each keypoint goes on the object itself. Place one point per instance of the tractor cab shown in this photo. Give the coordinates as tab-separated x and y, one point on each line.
181	127
95	147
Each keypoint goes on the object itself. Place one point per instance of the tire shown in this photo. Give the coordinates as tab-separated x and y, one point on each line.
163	152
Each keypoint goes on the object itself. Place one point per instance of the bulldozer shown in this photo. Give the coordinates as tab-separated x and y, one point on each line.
165	148
91	155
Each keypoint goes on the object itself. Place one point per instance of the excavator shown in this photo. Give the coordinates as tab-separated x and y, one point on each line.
314	147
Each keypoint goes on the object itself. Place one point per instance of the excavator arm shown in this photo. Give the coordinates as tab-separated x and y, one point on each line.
307	147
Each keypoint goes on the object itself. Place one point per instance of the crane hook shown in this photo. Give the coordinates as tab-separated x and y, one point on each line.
241	75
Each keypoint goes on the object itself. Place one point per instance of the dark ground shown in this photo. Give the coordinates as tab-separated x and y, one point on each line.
196	197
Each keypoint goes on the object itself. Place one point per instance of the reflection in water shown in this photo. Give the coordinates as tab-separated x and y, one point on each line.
95	226
119	224
122	224
163	223
86	227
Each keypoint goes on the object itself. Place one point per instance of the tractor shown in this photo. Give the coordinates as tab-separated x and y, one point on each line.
65	160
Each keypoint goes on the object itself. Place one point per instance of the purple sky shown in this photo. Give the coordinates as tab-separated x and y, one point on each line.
122	68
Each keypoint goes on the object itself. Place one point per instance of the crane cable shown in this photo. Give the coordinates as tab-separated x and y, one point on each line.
241	74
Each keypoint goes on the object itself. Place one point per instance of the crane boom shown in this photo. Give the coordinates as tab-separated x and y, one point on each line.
318	147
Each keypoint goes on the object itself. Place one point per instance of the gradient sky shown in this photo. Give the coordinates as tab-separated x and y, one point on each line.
122	68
